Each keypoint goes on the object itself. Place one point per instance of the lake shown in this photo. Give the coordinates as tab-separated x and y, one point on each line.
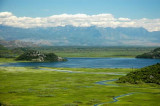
92	63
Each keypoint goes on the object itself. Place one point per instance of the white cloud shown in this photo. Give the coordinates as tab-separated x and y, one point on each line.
78	20
124	19
5	14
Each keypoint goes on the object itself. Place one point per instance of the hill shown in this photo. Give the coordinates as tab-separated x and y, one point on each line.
16	43
149	74
11	52
5	52
155	54
37	56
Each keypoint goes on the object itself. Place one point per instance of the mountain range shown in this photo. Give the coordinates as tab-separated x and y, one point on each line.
82	36
17	43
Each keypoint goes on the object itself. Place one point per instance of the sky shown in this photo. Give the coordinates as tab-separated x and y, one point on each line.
101	13
133	9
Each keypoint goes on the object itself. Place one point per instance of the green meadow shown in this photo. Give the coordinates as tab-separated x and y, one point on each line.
28	86
80	51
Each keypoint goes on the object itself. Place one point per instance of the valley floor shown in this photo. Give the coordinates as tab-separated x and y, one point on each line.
30	86
74	51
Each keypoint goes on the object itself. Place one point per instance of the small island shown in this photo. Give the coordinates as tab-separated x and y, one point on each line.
36	56
155	54
149	74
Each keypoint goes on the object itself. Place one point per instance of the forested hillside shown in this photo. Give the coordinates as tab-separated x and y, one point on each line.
155	54
149	74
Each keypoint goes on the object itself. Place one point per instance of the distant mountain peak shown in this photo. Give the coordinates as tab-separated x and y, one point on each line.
89	36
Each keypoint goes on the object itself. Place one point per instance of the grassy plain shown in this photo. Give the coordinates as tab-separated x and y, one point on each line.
80	51
4	60
9	60
96	51
27	86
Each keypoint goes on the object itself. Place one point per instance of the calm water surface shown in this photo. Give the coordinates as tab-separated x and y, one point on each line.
93	63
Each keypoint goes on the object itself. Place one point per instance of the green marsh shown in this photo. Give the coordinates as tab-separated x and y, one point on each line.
28	86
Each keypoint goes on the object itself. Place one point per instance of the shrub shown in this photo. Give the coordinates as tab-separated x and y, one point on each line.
150	74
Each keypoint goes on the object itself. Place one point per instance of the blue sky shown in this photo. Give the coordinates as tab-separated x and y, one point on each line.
133	9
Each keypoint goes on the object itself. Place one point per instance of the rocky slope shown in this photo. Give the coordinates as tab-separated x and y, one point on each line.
16	43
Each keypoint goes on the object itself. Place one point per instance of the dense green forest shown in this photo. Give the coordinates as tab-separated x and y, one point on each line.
149	74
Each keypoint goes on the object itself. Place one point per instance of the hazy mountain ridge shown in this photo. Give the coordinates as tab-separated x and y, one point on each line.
16	43
87	36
